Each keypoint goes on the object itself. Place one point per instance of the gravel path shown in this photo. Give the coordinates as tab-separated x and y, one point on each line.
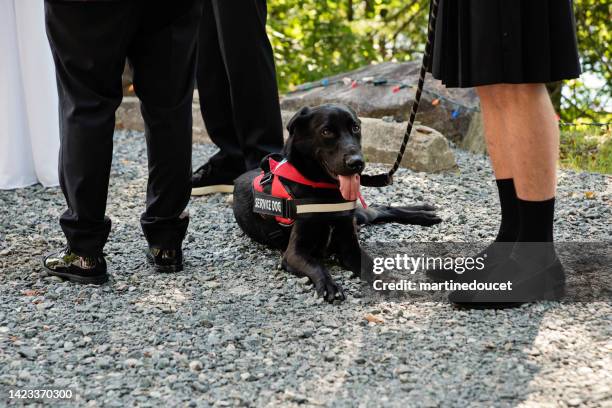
235	330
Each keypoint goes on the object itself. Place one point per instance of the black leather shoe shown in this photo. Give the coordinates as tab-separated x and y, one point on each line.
528	284
209	180
165	260
75	268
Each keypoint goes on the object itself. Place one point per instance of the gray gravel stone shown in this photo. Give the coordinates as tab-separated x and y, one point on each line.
131	363
28	352
196	365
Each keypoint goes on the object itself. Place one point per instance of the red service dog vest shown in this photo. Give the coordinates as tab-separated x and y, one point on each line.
279	202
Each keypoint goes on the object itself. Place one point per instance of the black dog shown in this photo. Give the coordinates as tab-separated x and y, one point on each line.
324	146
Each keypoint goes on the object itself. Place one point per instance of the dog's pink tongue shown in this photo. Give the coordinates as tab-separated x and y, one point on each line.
349	187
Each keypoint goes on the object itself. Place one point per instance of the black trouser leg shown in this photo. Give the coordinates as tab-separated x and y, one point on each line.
244	55
163	55
89	84
215	98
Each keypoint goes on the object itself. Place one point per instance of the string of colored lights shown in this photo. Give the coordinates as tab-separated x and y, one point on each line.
397	86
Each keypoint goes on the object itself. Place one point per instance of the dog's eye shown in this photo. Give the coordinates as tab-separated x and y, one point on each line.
325	132
356	128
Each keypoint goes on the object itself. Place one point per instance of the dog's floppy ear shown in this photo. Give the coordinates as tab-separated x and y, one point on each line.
300	117
353	113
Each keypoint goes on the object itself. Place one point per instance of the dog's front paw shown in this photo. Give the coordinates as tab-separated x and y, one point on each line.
329	290
427	218
424	214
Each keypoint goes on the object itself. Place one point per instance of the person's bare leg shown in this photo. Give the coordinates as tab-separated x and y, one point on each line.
498	146
535	140
495	129
531	142
528	139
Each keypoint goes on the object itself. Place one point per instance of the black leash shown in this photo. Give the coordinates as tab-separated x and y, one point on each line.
385	179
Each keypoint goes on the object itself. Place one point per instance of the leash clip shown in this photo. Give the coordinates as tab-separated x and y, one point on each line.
266	179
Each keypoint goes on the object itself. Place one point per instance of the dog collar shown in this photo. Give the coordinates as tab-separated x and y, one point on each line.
271	197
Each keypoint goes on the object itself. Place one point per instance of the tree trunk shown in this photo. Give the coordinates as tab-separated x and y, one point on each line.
369	8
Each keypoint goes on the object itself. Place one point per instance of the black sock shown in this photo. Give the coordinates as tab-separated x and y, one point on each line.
536	223
534	245
508	229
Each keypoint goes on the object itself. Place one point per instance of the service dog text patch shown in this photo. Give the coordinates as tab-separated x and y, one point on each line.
267	204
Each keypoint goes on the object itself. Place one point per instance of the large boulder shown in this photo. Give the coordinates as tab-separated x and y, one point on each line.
427	150
474	140
128	116
377	101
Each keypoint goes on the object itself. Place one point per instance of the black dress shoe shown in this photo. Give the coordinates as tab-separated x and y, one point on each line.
493	255
165	260
209	180
523	284
80	269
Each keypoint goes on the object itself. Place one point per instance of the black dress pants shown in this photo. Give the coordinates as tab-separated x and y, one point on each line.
90	42
237	84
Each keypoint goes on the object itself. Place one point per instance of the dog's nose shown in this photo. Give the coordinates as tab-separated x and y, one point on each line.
355	162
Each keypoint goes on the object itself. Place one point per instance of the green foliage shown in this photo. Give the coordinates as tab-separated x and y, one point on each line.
583	101
581	150
313	39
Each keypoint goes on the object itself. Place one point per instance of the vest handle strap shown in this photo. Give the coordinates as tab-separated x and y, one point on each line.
281	207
